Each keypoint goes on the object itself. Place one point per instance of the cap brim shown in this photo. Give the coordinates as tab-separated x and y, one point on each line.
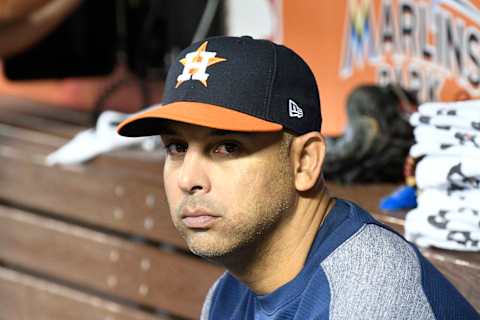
149	122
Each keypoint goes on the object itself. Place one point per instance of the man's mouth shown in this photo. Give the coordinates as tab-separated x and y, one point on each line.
198	219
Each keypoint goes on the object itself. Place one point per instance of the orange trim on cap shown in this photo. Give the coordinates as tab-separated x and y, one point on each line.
202	114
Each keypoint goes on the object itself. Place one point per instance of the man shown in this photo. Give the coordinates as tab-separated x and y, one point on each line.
240	121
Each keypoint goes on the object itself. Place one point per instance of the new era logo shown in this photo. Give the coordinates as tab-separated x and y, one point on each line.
294	111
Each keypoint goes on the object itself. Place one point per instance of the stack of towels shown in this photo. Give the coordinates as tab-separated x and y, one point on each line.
447	176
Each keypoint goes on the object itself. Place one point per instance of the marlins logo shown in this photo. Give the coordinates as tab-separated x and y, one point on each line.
196	63
359	36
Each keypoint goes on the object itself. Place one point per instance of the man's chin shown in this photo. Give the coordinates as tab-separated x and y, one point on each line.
208	247
209	252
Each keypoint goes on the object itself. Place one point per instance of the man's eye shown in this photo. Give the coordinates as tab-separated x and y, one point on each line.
227	148
176	148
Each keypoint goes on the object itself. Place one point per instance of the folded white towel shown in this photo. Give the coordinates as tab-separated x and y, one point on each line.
463	219
436	198
467	109
443	149
448	172
455	136
445	122
93	142
442	230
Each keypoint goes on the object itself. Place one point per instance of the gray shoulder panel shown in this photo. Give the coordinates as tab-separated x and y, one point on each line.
376	275
208	299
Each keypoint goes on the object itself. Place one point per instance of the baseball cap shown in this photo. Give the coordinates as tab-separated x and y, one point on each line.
235	84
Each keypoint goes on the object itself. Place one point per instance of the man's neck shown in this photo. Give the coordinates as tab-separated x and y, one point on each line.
280	257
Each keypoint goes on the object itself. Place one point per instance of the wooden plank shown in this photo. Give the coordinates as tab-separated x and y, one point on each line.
21	106
25	121
31	129
367	196
160	279
41	144
31	125
122	201
23	297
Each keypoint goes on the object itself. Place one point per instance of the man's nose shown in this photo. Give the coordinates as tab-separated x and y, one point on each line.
192	177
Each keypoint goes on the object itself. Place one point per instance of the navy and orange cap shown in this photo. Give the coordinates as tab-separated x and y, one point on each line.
235	84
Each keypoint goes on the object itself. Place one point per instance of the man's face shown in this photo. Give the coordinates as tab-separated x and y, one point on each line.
226	190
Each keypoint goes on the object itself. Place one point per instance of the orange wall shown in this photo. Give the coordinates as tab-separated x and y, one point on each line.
317	30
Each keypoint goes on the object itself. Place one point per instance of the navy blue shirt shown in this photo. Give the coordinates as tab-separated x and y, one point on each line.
356	268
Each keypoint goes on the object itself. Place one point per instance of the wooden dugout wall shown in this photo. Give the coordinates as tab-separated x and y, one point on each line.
96	242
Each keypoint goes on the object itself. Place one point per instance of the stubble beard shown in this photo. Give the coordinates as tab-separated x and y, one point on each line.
232	238
242	239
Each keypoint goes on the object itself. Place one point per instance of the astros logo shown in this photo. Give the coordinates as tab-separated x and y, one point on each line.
196	63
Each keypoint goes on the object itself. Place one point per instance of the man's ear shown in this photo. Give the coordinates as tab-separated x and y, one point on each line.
307	152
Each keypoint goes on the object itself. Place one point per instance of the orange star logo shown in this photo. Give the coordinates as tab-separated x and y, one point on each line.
195	65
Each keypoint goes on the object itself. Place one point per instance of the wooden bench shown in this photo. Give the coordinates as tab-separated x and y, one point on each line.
100	229
96	241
